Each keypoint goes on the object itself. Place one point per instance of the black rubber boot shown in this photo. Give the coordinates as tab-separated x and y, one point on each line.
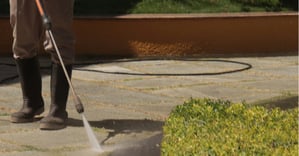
30	80
57	117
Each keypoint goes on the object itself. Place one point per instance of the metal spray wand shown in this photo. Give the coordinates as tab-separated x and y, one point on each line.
47	24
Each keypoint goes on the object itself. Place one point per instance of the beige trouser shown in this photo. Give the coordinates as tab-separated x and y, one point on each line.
28	31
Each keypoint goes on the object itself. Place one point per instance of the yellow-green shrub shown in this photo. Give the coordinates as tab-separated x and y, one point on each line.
215	127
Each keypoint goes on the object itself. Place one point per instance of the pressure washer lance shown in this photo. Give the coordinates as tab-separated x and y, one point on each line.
47	24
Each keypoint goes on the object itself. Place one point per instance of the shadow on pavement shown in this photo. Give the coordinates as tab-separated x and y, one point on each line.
283	103
146	147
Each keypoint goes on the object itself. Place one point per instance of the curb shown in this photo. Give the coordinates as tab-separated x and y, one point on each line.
237	34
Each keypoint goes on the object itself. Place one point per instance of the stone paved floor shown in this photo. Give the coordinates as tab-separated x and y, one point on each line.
126	103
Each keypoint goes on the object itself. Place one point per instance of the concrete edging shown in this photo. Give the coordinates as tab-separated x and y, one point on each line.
181	34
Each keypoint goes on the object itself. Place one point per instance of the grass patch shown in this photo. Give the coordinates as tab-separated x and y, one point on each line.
32	148
215	127
4	114
104	7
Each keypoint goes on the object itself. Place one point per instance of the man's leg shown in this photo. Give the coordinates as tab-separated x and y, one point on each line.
27	31
61	14
27	28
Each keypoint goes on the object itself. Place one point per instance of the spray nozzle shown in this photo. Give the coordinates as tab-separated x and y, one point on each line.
78	105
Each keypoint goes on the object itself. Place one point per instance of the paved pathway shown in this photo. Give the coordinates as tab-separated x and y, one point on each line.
126	101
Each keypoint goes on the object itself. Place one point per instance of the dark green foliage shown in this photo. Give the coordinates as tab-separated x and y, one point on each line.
116	7
91	7
4	7
260	2
268	5
215	127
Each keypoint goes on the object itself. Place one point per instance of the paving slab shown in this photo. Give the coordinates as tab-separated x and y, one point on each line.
127	111
154	83
99	93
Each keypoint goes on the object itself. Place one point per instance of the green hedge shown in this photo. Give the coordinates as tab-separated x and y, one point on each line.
215	127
